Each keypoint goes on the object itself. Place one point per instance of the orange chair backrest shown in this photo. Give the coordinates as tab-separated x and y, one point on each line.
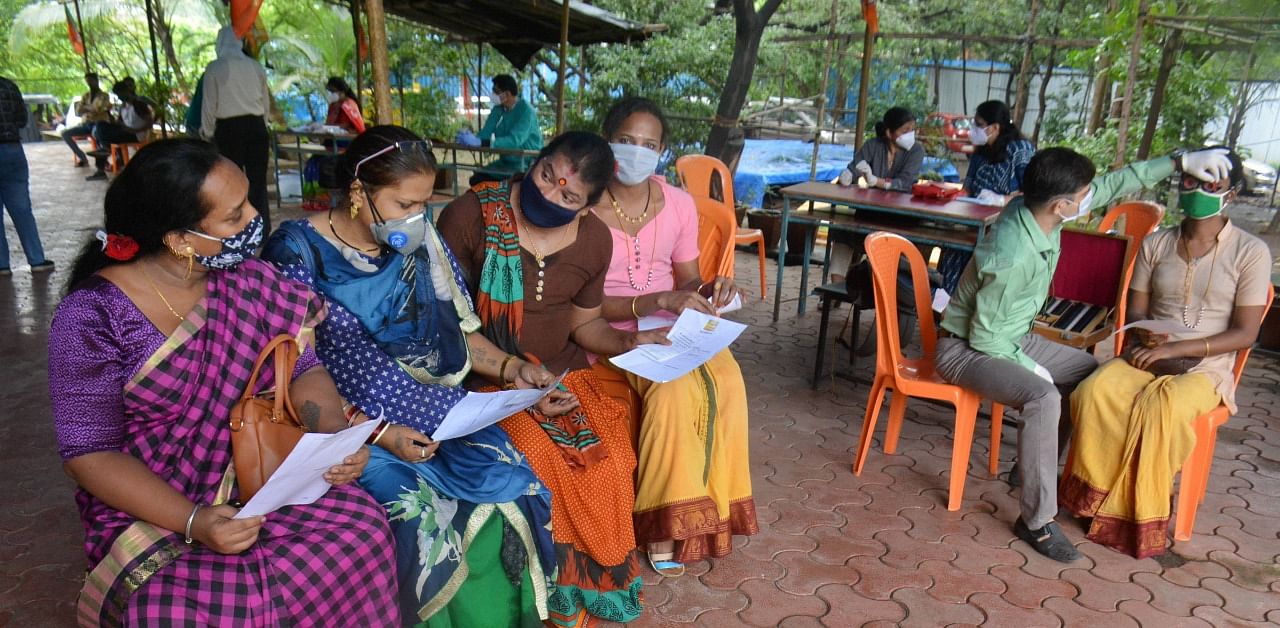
704	175
884	250
1242	355
715	238
1140	219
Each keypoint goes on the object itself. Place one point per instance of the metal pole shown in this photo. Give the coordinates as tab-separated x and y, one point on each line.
155	63
564	59
822	95
84	41
1126	106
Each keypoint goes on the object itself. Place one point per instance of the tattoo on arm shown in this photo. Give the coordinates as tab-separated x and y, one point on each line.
310	415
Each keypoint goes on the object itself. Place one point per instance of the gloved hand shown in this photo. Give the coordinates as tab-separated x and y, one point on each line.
872	180
846	177
467	138
1207	165
863	167
987	197
1043	373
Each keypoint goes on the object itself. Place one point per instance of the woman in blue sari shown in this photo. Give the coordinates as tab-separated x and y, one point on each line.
470	517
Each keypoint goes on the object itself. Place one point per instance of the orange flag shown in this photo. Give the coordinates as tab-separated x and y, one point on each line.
869	14
77	43
243	14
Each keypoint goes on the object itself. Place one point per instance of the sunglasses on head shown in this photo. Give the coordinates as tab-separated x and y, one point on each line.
422	146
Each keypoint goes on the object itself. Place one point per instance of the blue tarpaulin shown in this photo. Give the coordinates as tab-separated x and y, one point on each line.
783	162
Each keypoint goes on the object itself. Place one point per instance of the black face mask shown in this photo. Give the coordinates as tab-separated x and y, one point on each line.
539	211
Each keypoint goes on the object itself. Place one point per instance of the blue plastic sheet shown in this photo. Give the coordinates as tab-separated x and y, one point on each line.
782	162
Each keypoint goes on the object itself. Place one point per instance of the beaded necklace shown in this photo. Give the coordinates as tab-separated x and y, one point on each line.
1189	280
634	257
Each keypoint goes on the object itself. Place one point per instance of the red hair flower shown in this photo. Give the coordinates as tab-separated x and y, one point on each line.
118	247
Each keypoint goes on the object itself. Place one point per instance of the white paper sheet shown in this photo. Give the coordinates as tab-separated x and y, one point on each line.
695	338
479	410
300	478
941	300
663	318
1156	327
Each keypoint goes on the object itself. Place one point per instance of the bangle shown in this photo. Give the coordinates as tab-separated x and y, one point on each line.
1206	347
190	520
349	411
633	307
382	429
502	370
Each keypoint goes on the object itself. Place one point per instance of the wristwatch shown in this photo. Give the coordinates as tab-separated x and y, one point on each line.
1176	156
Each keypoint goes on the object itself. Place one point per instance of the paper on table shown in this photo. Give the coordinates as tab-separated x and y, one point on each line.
300	478
695	338
1156	327
479	410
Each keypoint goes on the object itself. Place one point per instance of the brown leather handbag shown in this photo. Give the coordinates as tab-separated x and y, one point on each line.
265	427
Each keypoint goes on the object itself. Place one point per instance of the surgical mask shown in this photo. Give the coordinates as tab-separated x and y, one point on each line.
978	136
1199	204
332	97
235	249
1085	205
906	140
635	163
539	211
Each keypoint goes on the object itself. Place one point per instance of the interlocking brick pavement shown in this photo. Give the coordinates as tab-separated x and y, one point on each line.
834	549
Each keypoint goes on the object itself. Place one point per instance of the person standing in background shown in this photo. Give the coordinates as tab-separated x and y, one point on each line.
14	193
94	107
513	124
234	109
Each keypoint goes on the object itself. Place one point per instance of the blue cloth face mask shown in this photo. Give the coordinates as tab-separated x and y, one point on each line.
235	249
538	210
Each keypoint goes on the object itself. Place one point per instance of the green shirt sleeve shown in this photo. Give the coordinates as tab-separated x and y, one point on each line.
1130	179
490	123
521	123
991	329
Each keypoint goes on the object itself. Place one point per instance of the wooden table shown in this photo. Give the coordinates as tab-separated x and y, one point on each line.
312	147
952	224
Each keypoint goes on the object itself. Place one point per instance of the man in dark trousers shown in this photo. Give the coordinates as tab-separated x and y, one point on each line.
234	114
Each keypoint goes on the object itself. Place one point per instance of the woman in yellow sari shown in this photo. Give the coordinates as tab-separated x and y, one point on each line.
1133	417
693	479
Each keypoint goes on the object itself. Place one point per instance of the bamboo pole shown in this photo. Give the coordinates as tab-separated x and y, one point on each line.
84	39
822	94
564	67
155	65
868	46
1126	106
355	28
847	38
378	51
1024	72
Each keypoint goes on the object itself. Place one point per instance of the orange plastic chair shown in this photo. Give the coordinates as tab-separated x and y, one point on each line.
915	377
708	177
93	144
1141	218
1195	470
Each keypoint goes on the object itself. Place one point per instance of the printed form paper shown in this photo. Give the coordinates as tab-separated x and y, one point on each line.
1156	327
479	410
695	338
300	478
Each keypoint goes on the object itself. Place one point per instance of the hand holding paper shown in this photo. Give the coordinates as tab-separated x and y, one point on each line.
477	411
695	338
300	478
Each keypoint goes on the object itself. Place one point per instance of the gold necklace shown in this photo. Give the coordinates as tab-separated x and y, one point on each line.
175	313
539	257
1189	281
622	216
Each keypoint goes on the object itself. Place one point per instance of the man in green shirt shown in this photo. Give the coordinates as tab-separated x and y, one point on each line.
513	123
987	343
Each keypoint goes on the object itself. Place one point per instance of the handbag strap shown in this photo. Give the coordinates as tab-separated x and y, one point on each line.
285	349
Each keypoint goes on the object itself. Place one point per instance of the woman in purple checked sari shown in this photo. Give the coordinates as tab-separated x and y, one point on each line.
148	352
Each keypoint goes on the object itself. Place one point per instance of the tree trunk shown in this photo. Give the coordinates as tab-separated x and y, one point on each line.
378	52
1126	106
725	139
1168	56
164	33
1048	72
1236	126
355	27
1024	74
1101	98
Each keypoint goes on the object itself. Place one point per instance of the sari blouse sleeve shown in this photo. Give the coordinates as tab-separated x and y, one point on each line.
596	257
87	373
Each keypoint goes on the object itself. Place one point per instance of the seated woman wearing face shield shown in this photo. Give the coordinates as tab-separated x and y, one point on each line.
470	519
1133	417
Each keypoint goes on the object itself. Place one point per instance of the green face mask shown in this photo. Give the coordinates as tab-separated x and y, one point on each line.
1198	204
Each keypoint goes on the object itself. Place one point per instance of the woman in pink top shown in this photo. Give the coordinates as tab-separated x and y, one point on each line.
693	478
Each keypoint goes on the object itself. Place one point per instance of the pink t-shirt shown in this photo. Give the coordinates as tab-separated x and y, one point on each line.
670	238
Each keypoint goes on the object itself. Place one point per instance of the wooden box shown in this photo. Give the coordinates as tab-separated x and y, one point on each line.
1090	281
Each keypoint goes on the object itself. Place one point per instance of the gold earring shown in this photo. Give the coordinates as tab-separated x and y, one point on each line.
354	198
190	254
